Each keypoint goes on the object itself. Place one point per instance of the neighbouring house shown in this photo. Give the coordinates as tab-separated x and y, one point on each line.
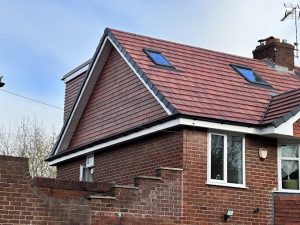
227	127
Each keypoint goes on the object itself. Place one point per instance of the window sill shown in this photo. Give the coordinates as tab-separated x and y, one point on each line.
287	191
227	185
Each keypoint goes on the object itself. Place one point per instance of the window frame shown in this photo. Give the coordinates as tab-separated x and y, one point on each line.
87	167
224	181
262	84
147	51
279	159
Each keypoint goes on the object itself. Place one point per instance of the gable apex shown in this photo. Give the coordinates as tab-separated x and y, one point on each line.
95	66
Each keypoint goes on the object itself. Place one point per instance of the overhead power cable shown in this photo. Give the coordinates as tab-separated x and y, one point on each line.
31	99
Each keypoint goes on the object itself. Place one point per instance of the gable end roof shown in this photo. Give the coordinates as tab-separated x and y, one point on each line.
84	92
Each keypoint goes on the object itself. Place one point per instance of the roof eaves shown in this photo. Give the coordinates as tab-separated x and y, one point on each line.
150	124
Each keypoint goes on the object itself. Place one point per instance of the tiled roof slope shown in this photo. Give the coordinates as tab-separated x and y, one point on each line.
282	107
204	84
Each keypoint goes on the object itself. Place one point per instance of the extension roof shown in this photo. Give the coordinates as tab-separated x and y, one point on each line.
204	85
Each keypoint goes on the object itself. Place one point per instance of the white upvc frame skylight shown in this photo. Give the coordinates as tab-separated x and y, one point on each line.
250	75
158	58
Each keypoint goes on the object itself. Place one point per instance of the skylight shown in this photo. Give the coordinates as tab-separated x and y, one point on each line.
158	58
249	75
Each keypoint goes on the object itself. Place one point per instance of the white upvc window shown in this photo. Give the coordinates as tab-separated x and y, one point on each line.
288	167
87	170
226	160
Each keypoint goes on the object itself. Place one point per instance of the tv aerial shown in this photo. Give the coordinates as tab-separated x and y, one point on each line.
292	12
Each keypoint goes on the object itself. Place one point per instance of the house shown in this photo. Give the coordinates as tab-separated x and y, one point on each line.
229	124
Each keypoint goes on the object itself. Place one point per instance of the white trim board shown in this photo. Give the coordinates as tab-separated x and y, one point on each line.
117	141
163	126
76	73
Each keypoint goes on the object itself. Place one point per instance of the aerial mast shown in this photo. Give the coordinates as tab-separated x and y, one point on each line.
292	12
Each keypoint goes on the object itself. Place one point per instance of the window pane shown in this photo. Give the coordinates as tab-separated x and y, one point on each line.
234	159
290	174
158	58
217	157
289	151
247	73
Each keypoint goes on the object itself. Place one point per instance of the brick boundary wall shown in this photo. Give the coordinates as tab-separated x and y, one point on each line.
150	200
22	203
64	189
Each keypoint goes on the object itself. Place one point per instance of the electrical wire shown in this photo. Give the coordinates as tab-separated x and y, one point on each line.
31	99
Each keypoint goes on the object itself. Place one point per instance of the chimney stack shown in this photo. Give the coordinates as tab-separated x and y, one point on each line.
281	53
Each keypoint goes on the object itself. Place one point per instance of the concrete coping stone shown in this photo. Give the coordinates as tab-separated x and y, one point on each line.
169	168
101	197
126	187
148	177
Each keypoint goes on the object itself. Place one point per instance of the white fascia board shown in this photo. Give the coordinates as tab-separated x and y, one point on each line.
141	79
141	133
269	131
76	73
156	128
219	126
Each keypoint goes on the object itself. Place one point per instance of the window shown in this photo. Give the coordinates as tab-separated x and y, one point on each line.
158	58
249	75
226	159
87	170
289	167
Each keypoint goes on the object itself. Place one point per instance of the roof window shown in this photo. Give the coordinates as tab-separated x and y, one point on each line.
249	75
158	58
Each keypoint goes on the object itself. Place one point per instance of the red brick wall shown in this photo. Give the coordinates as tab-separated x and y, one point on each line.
287	210
118	103
207	204
296	127
65	189
121	164
152	201
22	203
70	170
71	91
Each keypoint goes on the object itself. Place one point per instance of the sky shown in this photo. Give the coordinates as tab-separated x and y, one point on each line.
41	40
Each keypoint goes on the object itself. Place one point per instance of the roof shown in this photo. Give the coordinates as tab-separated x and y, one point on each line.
203	84
282	107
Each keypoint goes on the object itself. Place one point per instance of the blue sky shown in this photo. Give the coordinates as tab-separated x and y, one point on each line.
42	40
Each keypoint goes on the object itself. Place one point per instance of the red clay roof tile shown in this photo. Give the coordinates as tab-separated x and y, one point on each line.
204	84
